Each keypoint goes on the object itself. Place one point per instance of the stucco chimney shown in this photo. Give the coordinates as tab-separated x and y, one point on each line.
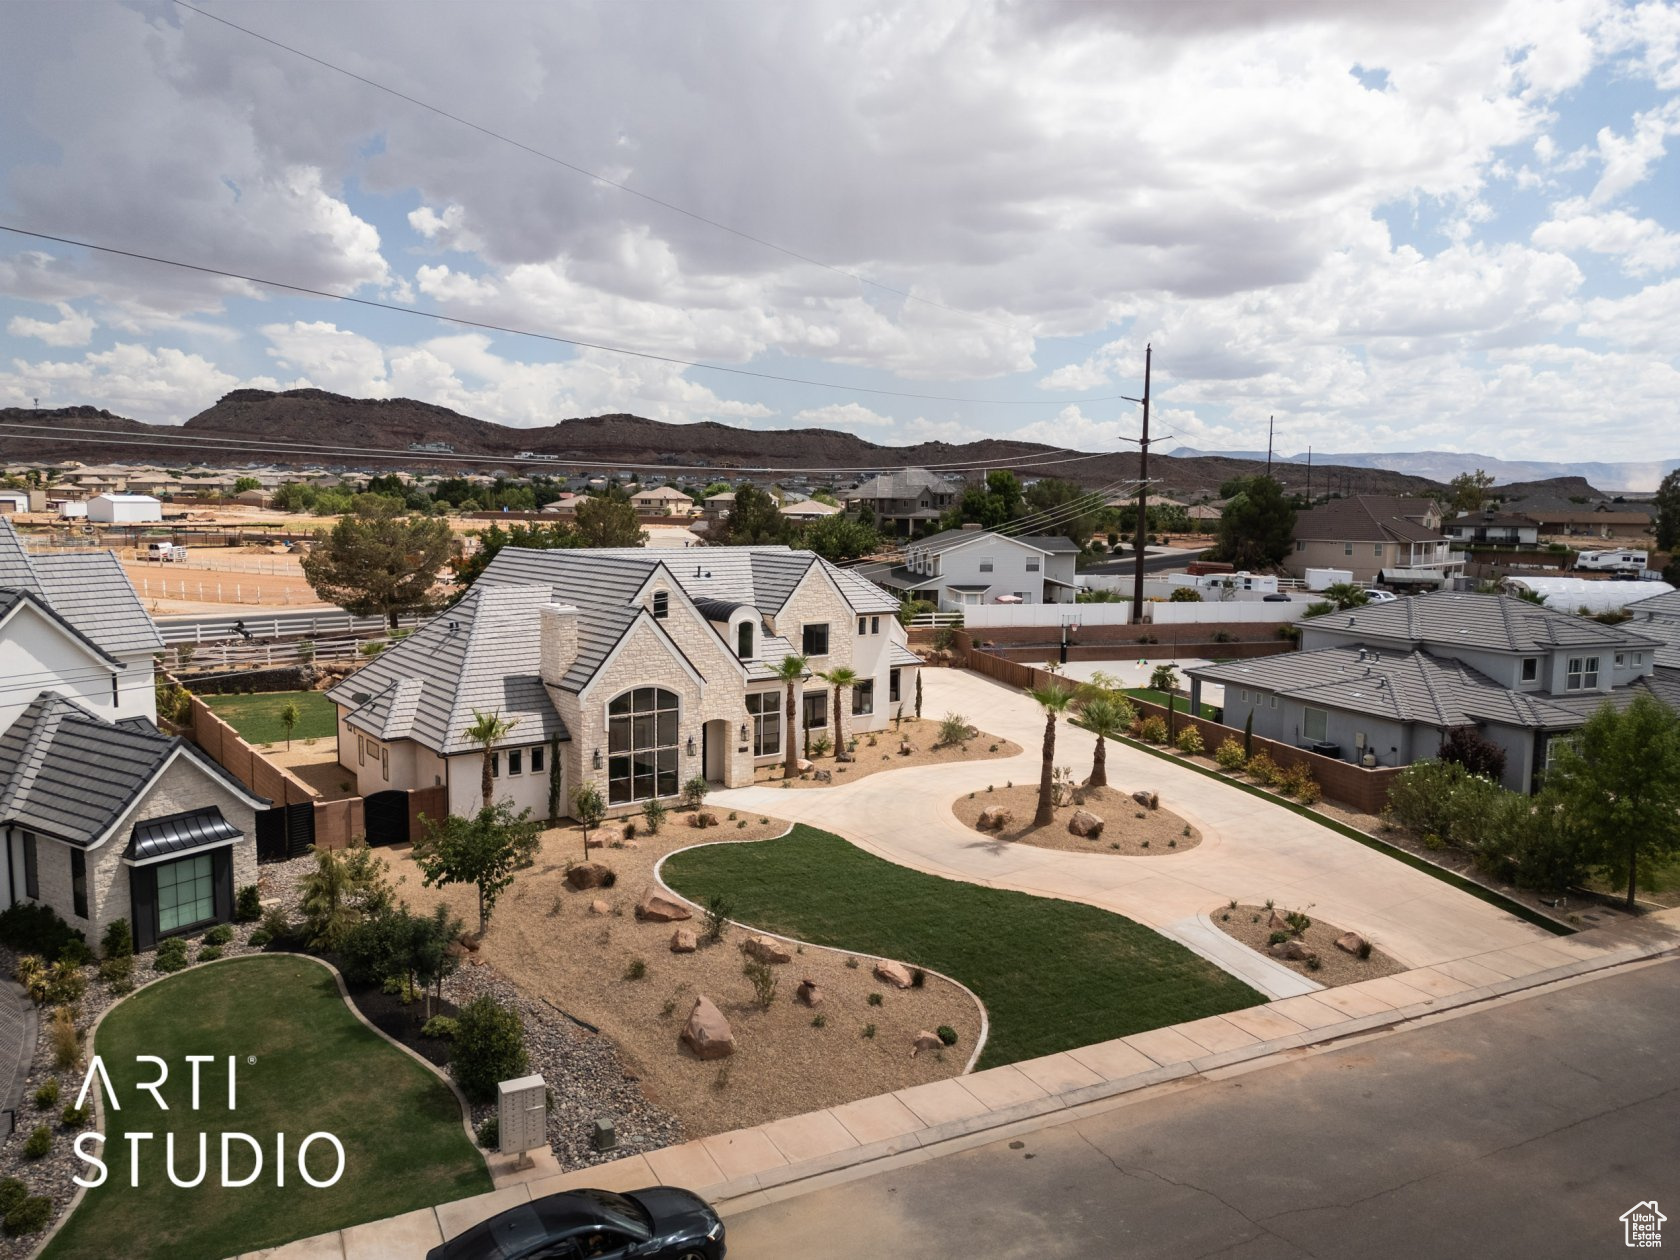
559	640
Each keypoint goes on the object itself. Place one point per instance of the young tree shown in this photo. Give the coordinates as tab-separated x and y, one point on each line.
1257	526
1468	491
485	731
840	679
1107	717
483	851
536	536
590	809
756	518
1075	510
289	719
378	562
839	537
918	694
1668	512
1619	782
344	885
242	484
1054	701
789	672
609	519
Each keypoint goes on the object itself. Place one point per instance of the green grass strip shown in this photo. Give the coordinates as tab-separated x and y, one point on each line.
316	1068
1458	881
257	718
1054	974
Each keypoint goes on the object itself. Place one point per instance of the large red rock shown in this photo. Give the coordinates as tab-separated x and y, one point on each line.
1146	798
893	973
808	993
925	1041
1352	942
653	908
995	818
1293	950
707	1032
767	949
683	941
591	875
1085	823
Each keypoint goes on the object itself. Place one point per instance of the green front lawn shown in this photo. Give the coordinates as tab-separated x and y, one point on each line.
257	718
1181	703
1053	974
317	1068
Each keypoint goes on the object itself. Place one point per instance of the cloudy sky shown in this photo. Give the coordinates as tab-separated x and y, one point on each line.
1396	226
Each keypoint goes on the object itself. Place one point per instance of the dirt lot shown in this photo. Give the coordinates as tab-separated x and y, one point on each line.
316	763
1251	926
1130	830
545	939
880	750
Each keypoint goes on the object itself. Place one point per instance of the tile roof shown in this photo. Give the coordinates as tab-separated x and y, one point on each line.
903	483
1659	607
1368	518
1498	623
1405	687
481	654
69	774
87	590
1051	542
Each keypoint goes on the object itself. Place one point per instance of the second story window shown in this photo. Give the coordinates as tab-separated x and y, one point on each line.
1583	674
985	564
1531	669
814	640
1032	566
661	604
744	640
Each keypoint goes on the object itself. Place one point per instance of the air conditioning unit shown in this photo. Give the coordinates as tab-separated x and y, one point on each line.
1325	749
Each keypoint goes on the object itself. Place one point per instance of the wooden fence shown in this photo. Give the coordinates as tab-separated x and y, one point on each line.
1340	781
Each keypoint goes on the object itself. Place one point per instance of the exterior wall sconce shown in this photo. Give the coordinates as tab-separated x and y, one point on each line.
743	732
691	745
597	759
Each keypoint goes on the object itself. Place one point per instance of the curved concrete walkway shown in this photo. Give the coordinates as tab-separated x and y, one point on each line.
1251	849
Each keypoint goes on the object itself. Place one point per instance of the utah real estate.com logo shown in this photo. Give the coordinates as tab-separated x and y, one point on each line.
1643	1224
97	1170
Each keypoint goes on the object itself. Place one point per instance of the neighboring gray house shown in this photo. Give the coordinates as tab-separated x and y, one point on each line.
1376	537
1489	526
963	568
906	499
1385	684
103	816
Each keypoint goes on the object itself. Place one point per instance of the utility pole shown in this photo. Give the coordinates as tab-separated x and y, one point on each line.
1143	494
1269	420
1309	476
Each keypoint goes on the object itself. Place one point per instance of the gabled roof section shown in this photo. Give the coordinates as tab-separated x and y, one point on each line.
482	654
16	571
87	591
1498	623
69	774
1368	518
1658	607
903	483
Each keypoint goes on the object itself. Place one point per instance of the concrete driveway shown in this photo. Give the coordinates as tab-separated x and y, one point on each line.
1251	849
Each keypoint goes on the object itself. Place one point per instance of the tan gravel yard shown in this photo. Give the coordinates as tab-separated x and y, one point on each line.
1248	924
1130	829
922	734
545	939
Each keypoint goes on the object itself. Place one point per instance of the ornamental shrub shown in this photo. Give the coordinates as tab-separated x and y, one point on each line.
39	1143
1190	741
947	1034
247	906
1230	755
171	955
489	1047
31	1216
1262	769
1153	730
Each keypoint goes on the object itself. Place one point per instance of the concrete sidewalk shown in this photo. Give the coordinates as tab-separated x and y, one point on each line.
753	1167
1251	849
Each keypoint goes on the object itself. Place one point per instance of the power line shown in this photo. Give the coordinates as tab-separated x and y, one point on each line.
555	338
584	171
228	446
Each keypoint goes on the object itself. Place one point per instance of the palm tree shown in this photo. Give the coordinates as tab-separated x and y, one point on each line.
1165	678
486	729
840	678
1054	701
790	671
1106	717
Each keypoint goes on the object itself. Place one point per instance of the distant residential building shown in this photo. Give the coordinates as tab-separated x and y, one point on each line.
806	510
1387	683
1394	540
1603	522
662	501
1490	526
14	501
906	499
963	568
124	509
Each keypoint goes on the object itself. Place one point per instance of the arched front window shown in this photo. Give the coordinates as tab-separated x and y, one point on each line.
642	745
744	640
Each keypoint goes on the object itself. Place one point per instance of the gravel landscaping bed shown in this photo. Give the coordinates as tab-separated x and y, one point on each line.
880	750
1252	926
547	946
1130	829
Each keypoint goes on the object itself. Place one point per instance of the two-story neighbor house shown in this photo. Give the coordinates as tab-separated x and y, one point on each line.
634	669
1384	684
905	500
1385	538
1490	526
963	568
103	817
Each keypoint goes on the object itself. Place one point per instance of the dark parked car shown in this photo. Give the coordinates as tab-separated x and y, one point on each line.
1276	597
659	1223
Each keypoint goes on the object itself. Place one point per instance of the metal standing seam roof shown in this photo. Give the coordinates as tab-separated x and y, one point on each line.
70	774
179	833
1498	623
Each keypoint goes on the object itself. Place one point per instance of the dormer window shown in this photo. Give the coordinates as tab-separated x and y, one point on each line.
661	604
744	641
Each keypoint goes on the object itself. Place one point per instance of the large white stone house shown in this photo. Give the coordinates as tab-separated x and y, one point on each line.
102	816
635	669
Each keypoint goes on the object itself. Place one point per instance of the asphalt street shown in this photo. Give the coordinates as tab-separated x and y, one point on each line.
1522	1130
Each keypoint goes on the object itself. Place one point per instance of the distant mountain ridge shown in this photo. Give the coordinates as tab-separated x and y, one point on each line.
1443	466
296	427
